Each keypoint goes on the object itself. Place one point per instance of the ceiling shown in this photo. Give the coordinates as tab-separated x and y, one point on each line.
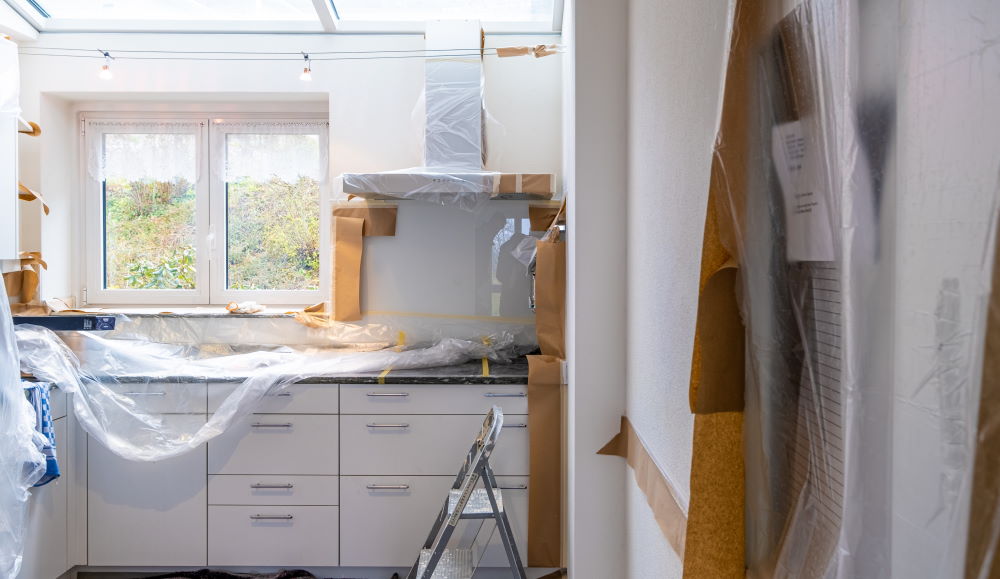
285	16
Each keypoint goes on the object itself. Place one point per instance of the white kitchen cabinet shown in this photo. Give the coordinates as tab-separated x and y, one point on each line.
9	215
148	513
273	536
432	399
273	490
277	444
46	542
388	518
426	444
293	399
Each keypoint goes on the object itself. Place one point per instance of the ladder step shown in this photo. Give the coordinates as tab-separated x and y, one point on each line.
454	564
478	506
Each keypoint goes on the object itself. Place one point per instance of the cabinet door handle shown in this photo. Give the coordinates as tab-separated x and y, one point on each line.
281	394
388	394
519	425
145	393
271	486
271	517
265	425
505	395
513	487
400	425
387	487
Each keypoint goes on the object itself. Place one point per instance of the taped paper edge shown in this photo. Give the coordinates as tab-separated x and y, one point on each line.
378	221
660	494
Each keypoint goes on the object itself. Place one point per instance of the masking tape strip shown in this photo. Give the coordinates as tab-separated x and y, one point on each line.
347	252
545	499
660	494
486	361
381	377
26	194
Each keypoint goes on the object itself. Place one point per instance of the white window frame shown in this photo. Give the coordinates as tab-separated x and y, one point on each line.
95	292
219	266
210	260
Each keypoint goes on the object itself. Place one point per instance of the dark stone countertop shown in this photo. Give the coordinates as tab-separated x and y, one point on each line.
515	372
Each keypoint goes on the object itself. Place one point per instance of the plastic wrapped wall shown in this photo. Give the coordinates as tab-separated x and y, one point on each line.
864	341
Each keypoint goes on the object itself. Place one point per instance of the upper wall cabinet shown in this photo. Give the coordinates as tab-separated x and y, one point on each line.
9	110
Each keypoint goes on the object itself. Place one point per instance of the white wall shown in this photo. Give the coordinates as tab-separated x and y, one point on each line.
676	52
595	333
371	110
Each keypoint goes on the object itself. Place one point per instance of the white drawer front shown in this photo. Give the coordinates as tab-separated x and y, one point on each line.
294	399
386	525
426	444
389	518
428	399
224	489
273	536
164	397
276	444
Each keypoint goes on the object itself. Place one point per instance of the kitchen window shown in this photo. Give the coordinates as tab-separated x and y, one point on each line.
205	210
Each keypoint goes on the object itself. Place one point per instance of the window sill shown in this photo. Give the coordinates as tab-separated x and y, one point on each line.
188	311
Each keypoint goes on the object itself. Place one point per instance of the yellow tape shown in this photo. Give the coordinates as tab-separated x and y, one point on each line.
400	341
486	361
381	377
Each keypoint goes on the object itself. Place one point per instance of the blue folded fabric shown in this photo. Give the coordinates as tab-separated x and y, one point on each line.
38	395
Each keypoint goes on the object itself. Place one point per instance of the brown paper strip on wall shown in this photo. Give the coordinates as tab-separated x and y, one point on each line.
718	361
982	557
379	221
537	51
545	494
26	194
550	294
660	494
542	184
347	250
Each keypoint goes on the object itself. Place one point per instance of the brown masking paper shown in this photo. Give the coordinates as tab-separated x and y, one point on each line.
714	537
718	360
541	184
379	221
347	250
26	194
982	559
550	294
22	286
545	493
537	51
659	493
542	217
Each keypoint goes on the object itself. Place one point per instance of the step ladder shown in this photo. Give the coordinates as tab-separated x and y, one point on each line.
464	502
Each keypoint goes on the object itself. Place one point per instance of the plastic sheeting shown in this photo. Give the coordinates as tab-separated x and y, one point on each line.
108	369
852	471
21	462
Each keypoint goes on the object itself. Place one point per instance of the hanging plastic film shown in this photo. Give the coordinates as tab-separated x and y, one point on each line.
103	372
21	462
864	315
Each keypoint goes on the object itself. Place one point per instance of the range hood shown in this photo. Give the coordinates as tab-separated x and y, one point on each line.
454	134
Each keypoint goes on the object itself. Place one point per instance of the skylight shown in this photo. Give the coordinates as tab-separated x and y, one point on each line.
303	16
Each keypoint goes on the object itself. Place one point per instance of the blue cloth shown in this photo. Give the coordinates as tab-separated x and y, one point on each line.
38	395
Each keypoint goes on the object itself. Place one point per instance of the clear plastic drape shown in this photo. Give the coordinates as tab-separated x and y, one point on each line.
21	461
107	366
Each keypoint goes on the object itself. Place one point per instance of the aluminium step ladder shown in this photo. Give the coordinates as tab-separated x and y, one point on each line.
464	502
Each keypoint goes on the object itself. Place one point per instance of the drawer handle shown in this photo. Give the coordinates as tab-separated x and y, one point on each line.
265	425
271	517
513	487
145	394
505	395
387	487
388	394
520	425
281	394
400	425
271	486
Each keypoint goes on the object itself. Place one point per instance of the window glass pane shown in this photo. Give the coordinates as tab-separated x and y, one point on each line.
494	10
149	211
181	9
272	206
